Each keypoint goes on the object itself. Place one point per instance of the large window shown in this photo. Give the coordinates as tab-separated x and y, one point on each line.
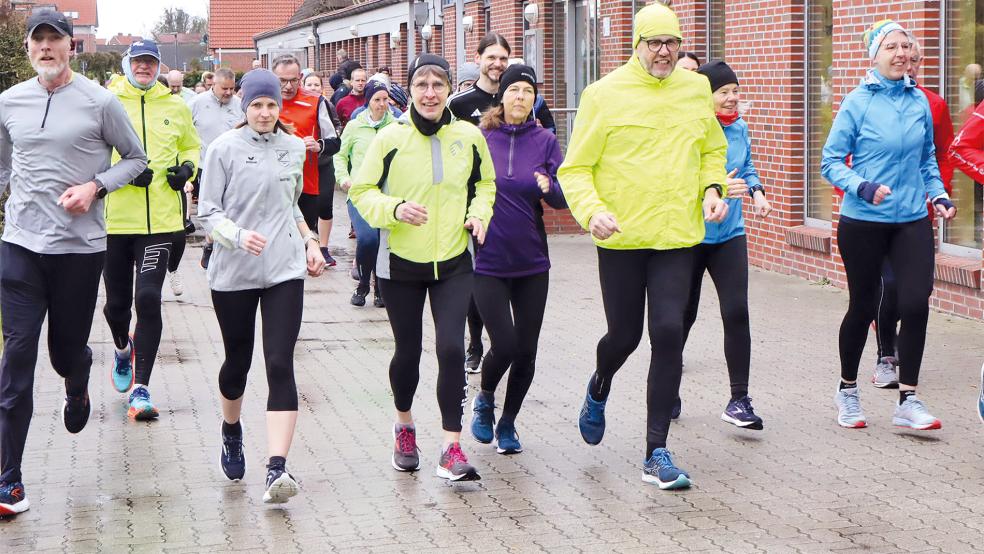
820	98
715	30
964	89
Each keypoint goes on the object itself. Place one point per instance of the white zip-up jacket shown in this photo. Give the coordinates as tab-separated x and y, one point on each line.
251	182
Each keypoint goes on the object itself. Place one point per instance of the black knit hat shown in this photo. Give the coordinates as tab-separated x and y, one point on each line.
428	59
718	73
514	74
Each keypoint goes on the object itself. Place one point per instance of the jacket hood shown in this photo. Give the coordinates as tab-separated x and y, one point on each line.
522	128
120	86
873	80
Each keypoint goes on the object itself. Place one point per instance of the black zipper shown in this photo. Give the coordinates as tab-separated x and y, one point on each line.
46	108
143	123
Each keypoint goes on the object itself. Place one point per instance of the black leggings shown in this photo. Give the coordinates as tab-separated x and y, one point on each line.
64	287
282	306
728	265
178	241
514	333
405	307
326	192
631	279
908	248
308	203
147	256
886	326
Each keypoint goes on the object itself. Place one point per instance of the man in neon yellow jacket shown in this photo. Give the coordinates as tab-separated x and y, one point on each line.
644	170
142	219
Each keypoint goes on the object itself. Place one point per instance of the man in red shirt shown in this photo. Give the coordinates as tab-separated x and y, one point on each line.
355	98
309	116
942	125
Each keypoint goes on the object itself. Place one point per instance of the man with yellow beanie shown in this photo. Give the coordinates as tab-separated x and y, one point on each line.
644	170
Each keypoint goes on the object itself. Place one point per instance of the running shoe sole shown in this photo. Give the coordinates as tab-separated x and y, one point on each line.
222	469
446	474
281	490
855	425
900	422
681	482
143	415
892	385
14	509
756	425
393	460
508	451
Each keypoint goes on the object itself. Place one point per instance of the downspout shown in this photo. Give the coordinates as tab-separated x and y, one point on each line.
317	46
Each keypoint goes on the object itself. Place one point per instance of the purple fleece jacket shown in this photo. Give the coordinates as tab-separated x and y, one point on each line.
516	242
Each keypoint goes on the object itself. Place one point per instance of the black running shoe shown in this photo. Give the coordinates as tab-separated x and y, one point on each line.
359	296
473	358
75	412
233	460
377	299
280	485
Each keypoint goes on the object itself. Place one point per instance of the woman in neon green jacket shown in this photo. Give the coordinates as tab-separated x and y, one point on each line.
427	182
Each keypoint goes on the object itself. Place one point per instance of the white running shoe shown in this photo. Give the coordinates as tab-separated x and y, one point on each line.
849	412
913	414
177	287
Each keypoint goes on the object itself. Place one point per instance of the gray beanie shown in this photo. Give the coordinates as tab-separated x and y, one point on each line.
260	83
467	72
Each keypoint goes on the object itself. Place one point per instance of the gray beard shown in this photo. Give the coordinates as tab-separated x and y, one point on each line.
49	73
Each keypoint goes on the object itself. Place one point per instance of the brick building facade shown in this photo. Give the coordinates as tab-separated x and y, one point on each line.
796	60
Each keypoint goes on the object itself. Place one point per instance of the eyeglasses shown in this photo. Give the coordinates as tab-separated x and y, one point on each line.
289	81
439	88
655	44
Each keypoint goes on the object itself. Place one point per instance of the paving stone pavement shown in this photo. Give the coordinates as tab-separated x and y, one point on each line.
801	485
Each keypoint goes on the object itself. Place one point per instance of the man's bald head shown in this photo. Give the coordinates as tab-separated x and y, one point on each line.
175	80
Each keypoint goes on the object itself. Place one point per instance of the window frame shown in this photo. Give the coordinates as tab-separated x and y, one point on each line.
808	113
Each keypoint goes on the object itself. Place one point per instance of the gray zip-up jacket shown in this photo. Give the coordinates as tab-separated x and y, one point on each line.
251	182
52	141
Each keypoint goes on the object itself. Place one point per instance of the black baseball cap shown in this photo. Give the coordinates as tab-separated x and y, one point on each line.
53	19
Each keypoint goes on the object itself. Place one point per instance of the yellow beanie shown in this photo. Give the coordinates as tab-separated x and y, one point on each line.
653	20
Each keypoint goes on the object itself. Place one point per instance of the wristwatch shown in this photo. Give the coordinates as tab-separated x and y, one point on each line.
101	192
312	236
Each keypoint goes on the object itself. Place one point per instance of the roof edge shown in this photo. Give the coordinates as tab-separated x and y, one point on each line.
328	16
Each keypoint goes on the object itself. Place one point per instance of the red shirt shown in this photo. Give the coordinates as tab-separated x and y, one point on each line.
302	112
967	150
348	105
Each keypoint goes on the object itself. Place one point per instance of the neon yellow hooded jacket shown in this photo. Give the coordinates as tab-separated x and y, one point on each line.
163	122
450	173
645	149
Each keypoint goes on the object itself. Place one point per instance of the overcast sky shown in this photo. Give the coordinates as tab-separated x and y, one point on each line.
138	18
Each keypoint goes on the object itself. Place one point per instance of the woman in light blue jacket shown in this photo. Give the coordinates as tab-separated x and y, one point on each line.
724	252
886	127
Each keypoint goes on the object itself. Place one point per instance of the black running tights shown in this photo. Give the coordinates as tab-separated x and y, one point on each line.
728	265
405	308
514	333
908	248
281	306
631	279
886	326
145	256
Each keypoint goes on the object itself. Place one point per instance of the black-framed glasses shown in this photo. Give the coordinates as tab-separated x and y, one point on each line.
655	44
285	82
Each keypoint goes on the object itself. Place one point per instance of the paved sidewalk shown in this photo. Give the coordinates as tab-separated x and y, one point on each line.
801	485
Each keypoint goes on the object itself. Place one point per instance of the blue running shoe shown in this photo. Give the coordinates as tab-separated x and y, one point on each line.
483	408
592	419
980	398
233	460
141	408
660	471
741	414
122	374
508	439
13	500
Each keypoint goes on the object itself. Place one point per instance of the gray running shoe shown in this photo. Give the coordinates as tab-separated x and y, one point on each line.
849	412
886	373
913	414
406	455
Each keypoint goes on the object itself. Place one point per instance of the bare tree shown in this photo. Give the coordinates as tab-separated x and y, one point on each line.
176	20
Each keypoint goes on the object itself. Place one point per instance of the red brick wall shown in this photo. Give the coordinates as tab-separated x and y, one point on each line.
238	61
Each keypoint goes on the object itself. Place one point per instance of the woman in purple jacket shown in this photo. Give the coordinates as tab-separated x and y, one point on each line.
511	269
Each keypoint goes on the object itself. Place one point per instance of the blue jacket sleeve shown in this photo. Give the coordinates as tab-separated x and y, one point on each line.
554	198
929	167
748	172
840	143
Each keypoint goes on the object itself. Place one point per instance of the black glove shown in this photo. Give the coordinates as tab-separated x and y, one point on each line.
178	175
866	191
143	180
945	202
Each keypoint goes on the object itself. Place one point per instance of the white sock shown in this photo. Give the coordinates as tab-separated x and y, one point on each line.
123	353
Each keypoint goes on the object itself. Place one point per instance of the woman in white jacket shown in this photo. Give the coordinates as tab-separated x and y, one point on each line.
263	248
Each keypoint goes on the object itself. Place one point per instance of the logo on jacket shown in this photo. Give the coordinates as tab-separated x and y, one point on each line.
251	159
283	156
167	121
456	148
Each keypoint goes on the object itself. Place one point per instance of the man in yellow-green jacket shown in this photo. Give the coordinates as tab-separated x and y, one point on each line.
644	170
142	219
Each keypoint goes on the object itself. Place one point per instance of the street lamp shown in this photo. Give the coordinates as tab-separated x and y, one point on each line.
426	33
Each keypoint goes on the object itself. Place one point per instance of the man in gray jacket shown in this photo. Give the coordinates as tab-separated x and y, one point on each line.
57	134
